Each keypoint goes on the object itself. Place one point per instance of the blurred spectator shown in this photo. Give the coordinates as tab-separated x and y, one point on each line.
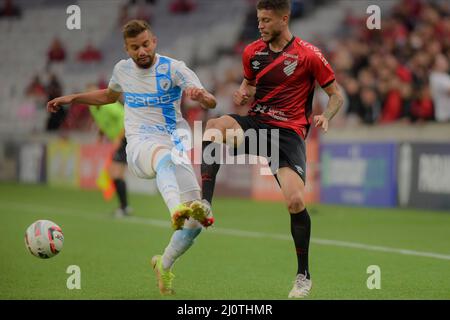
249	30
90	54
351	88
182	6
440	88
36	89
54	90
102	82
78	118
370	106
10	10
144	12
392	109
124	15
78	115
56	52
137	9
422	107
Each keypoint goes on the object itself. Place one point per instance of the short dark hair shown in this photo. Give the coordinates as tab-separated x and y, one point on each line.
275	5
134	27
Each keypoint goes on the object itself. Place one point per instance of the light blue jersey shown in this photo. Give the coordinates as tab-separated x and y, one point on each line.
152	96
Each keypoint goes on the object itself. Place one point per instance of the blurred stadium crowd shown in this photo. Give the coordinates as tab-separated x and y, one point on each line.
396	74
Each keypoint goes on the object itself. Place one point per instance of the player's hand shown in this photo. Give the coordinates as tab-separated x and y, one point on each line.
195	94
241	97
55	104
321	121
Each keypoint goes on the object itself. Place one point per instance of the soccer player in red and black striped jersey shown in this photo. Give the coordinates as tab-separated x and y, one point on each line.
280	74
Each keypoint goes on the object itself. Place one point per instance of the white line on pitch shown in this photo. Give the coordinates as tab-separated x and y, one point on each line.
224	231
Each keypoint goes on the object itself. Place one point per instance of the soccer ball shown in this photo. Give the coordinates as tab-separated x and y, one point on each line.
44	239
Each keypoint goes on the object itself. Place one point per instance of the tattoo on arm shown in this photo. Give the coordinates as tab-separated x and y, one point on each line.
334	104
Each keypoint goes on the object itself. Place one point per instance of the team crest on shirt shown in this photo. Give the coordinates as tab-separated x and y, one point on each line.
165	84
162	68
290	67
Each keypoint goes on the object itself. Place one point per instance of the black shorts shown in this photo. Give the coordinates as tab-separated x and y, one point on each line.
291	149
121	154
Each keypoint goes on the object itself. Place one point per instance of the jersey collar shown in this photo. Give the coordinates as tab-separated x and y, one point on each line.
284	48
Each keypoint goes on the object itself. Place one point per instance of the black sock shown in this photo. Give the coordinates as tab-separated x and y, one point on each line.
301	232
121	189
209	171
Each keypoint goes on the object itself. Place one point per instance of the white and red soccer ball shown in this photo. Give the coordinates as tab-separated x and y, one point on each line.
44	239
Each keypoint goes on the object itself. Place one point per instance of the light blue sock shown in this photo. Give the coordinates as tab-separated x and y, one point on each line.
167	182
180	242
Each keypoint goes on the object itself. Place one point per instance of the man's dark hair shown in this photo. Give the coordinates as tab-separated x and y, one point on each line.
134	27
275	5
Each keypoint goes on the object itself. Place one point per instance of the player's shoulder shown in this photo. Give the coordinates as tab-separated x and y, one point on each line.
124	64
162	59
164	63
308	50
305	46
254	47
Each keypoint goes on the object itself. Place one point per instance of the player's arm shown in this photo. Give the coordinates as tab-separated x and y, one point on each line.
245	92
96	97
334	104
206	99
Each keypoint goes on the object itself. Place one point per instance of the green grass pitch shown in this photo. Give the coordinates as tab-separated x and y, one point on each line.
247	255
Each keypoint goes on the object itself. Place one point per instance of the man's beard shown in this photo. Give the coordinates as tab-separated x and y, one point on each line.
145	65
274	37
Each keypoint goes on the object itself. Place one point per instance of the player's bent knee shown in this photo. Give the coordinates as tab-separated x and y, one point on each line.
213	131
296	203
211	124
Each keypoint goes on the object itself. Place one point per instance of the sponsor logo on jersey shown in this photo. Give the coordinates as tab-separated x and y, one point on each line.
141	100
262	53
256	65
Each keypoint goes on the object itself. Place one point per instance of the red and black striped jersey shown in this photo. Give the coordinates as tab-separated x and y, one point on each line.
285	82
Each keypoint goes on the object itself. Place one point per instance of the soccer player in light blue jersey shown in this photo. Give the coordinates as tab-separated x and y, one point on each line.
156	133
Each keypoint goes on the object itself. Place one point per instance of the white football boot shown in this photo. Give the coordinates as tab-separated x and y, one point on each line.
301	288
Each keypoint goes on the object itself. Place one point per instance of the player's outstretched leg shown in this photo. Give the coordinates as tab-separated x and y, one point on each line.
180	242
166	181
212	146
209	170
